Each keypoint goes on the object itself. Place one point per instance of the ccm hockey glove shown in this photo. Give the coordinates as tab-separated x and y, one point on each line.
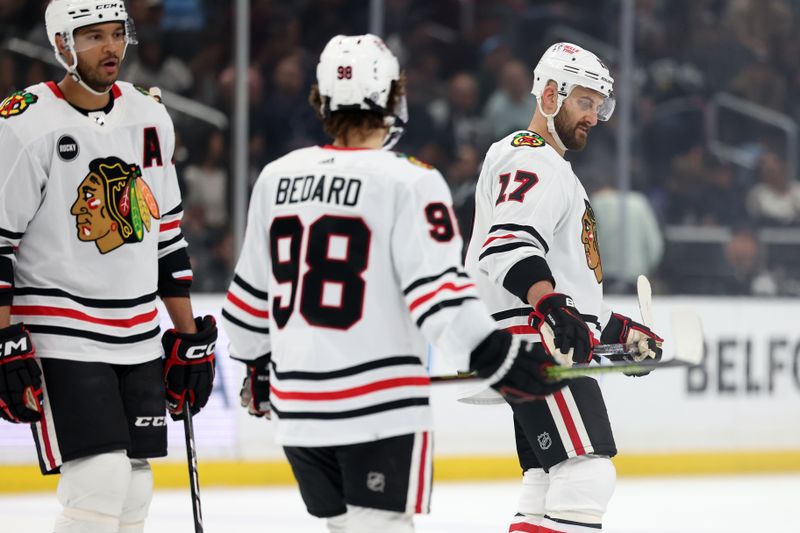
625	330
255	388
571	340
20	376
513	367
189	366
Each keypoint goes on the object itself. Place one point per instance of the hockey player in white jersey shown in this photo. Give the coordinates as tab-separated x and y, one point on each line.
535	259
90	236
351	260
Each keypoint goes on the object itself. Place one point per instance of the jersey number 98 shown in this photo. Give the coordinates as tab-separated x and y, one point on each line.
337	268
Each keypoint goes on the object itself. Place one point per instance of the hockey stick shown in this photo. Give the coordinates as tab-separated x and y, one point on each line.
687	334
194	481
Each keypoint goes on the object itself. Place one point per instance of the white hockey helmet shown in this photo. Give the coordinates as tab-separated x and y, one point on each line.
63	17
569	65
356	73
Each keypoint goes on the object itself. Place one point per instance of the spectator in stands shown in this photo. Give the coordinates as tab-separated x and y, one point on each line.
626	251
207	182
458	118
722	201
462	176
512	102
289	120
745	274
775	200
154	68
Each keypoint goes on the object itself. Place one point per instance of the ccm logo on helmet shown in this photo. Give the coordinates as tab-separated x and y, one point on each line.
198	352
98	7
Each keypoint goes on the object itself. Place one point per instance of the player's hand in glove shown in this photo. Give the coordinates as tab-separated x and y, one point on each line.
571	340
622	329
189	366
255	388
20	376
513	367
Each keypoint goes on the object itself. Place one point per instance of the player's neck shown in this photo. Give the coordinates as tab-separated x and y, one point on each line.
76	95
539	125
361	139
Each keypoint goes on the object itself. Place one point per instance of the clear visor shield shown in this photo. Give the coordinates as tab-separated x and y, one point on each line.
602	106
100	35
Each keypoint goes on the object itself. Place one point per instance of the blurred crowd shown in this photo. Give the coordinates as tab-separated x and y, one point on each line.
469	68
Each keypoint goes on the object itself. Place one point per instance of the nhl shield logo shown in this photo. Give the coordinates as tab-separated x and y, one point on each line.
376	481
544	440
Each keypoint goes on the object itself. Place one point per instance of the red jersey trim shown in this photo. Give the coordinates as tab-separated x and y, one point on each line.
352	392
449	286
56	90
41	310
241	304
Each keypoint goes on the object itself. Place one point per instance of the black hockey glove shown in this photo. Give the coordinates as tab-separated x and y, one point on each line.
514	368
622	329
571	340
189	366
20	376
255	388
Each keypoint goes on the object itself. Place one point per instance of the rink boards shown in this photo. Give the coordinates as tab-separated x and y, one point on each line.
739	412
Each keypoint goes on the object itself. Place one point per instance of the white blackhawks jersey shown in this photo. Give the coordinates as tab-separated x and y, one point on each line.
529	203
88	205
351	260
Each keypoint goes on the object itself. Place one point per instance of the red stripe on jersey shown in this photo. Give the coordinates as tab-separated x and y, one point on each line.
543	529
490	239
445	287
185	278
116	91
247	308
421	479
352	392
521	330
344	148
567	416
56	89
170	225
525	527
41	310
48	448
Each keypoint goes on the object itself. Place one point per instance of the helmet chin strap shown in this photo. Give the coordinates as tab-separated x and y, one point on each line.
551	125
72	70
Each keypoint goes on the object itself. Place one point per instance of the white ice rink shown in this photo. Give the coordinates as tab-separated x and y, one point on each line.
752	504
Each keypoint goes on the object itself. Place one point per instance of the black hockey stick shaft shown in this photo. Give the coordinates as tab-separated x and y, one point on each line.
194	481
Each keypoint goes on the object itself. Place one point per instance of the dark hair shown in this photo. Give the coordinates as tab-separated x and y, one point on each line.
343	124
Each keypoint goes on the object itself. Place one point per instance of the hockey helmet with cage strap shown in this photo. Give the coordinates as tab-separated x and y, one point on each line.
569	65
63	17
356	73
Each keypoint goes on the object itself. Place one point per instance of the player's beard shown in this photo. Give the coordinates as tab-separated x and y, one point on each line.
568	133
94	79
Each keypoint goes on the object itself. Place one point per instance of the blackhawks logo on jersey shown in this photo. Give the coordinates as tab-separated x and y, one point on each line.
414	161
114	206
590	244
527	138
17	103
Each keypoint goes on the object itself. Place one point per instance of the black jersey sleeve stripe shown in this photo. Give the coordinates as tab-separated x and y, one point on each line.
14	235
233	320
88	302
177	209
371	410
165	244
422	281
397	360
572	523
512	313
455	302
525	273
6	250
249	288
530	230
92	335
504	248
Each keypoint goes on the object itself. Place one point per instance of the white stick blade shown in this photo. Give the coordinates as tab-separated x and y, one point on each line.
687	332
645	294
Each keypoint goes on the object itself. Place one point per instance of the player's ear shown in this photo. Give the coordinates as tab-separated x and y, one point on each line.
550	97
62	49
